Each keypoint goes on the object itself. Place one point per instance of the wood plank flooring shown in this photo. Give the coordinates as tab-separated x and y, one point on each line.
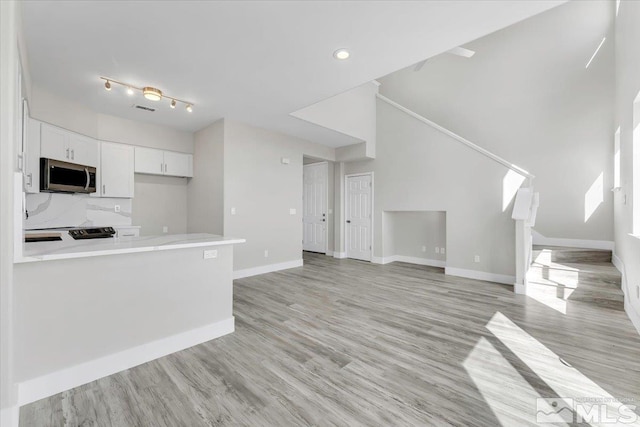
348	343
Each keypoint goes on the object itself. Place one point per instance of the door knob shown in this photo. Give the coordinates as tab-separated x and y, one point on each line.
348	221
323	219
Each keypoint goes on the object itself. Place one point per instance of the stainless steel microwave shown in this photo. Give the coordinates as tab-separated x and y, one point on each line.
63	177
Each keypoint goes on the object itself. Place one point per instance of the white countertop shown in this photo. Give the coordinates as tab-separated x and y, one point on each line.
69	248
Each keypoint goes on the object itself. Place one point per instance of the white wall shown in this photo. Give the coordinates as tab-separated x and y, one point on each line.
9	28
158	201
527	97
407	232
352	113
262	190
627	87
206	188
418	168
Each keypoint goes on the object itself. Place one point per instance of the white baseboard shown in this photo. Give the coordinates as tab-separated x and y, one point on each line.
634	316
480	275
65	379
339	255
263	269
409	260
539	239
329	253
10	417
519	288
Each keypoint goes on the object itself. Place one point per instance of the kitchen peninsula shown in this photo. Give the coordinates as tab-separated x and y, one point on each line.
87	309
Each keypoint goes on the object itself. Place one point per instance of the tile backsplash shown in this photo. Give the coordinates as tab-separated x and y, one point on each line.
57	210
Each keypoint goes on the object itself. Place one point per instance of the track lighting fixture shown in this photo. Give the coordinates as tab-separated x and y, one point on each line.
149	92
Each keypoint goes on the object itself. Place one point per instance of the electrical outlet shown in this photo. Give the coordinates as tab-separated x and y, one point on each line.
424	249
442	251
116	208
233	211
476	258
211	253
165	229
437	250
266	253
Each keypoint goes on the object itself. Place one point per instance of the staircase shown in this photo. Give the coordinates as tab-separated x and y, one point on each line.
561	276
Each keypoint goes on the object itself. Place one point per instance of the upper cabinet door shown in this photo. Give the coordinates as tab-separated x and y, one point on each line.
32	156
149	160
54	143
176	164
83	150
116	171
61	144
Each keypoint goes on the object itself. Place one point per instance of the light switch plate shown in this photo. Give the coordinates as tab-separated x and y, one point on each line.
437	249
233	211
442	250
285	160
116	208
165	229
210	253
476	258
292	211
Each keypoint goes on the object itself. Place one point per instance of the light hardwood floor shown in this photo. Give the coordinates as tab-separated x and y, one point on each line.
348	343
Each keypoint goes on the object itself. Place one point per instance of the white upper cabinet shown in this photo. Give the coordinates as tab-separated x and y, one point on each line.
176	164
159	162
149	160
116	170
61	144
31	155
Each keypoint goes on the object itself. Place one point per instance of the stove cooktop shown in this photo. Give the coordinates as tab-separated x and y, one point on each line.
92	233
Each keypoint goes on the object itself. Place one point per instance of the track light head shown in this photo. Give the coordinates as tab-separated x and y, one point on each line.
173	103
107	85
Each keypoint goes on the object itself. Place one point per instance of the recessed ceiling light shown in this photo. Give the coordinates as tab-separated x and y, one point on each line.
129	91
341	53
189	108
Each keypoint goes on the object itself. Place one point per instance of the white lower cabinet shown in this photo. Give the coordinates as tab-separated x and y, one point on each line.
116	170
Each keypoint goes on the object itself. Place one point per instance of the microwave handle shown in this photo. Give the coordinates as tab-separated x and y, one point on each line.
86	187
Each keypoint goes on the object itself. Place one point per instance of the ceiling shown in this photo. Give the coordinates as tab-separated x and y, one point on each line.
254	62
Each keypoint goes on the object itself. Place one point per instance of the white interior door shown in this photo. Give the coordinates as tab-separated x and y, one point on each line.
314	216
359	216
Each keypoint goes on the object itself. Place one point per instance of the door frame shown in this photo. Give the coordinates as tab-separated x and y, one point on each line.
326	205
346	210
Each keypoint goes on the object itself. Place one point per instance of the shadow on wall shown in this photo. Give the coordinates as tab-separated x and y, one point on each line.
415	236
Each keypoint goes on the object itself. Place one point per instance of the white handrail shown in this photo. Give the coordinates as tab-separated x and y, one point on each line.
457	137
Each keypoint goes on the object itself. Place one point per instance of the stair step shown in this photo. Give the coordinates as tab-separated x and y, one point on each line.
577	255
598	297
572	275
604	277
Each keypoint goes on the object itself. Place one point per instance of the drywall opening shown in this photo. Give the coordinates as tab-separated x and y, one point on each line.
417	237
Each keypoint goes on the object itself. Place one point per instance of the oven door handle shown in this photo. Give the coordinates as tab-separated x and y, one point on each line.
86	187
